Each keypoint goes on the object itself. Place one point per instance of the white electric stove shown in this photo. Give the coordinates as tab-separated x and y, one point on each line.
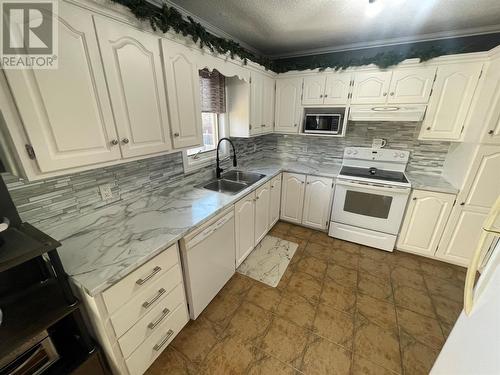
370	198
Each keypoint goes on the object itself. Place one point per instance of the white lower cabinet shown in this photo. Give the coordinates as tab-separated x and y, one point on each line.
424	222
244	222
306	200
262	198
275	200
137	318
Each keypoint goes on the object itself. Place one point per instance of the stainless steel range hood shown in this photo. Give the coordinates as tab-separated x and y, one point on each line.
403	112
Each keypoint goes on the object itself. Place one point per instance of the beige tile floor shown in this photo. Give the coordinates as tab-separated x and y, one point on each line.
340	308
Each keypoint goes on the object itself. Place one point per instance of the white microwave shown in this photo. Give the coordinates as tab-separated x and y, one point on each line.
328	121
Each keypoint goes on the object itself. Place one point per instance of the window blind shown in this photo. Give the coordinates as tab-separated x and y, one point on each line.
212	91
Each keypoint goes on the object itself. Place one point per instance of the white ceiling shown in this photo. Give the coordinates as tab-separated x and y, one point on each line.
295	27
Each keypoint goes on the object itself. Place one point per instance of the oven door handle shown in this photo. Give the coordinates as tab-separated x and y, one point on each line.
388	189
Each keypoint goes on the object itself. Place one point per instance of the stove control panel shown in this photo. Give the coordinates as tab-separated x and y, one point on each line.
376	154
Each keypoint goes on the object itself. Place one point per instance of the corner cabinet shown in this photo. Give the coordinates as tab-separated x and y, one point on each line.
139	100
183	93
306	200
451	99
424	222
288	109
68	125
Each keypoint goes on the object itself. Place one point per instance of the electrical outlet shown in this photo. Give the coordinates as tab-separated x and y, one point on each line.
105	191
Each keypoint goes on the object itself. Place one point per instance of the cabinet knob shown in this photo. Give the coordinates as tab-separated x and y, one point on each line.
385	94
114	142
320	96
308	183
125	140
462	204
428	128
414	198
302	182
295	125
491	132
392	94
250	126
263	126
176	134
326	95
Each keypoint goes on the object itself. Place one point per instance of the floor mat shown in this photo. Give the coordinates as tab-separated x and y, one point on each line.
269	260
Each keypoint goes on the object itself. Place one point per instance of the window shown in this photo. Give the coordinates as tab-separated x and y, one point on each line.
213	108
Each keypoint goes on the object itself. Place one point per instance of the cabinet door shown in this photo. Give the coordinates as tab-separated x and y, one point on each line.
424	222
268	105
256	93
183	93
411	85
244	212
288	108
139	101
317	202
66	111
450	101
292	197
262	199
313	89
275	201
371	87
492	99
337	88
475	200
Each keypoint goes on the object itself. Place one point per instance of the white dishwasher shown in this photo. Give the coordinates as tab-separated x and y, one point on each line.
208	260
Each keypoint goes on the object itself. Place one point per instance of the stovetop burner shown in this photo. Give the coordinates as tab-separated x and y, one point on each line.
374	173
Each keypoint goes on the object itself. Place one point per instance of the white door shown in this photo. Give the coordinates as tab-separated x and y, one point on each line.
262	200
66	111
183	92
287	111
256	93
450	101
244	212
424	222
317	202
275	201
411	85
292	197
371	87
139	101
492	128
337	88
268	105
474	202
313	89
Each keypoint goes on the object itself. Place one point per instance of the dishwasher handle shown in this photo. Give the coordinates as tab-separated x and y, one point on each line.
207	232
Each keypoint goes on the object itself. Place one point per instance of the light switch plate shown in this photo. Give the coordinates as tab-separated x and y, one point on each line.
105	191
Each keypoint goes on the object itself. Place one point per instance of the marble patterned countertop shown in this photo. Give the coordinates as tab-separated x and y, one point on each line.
100	248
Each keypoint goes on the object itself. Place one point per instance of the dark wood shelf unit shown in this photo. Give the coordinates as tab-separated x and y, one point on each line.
43	303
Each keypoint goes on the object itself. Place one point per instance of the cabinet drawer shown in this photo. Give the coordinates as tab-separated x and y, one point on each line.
140	279
150	322
145	301
150	349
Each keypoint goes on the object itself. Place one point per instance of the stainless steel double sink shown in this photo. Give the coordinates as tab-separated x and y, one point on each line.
232	182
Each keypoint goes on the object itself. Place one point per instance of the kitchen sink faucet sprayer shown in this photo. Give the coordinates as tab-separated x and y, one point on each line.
219	170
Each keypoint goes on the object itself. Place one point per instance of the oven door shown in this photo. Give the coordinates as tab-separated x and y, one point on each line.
323	123
368	205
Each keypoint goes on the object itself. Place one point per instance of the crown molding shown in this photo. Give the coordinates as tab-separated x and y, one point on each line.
207	25
392	41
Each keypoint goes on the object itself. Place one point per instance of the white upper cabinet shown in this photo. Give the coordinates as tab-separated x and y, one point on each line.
292	197
262	200
288	109
337	88
328	88
66	111
313	89
371	87
268	104
450	101
491	98
478	195
256	104
139	100
424	222
411	85
317	202
183	92
275	200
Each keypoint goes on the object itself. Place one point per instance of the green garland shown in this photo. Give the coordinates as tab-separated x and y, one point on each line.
166	18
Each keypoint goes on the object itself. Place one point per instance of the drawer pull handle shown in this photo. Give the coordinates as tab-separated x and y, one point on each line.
164	341
164	314
154	272
148	304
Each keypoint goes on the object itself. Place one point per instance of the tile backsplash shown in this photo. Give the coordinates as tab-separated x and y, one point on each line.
46	202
